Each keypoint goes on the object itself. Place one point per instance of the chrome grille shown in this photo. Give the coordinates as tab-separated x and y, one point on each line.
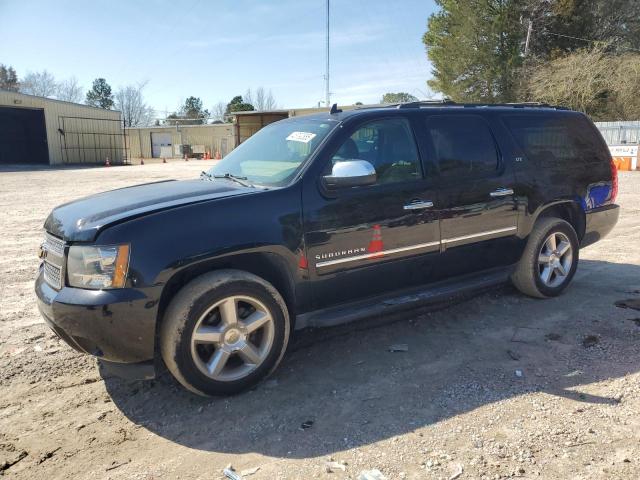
53	275
53	245
53	256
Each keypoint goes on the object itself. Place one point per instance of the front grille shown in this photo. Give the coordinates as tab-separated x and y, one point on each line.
53	249
53	275
53	245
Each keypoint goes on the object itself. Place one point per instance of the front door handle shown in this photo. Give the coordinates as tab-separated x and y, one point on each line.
418	205
502	192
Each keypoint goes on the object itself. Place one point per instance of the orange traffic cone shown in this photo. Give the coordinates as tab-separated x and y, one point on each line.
107	163
218	156
376	245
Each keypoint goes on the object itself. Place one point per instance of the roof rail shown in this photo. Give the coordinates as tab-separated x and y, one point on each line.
424	103
447	102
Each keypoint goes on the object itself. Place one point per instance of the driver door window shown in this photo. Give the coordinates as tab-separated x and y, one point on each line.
386	144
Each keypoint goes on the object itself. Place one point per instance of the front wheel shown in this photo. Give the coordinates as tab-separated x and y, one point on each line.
549	261
224	332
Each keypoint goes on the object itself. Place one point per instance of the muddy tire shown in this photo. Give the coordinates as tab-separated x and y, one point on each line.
224	332
549	261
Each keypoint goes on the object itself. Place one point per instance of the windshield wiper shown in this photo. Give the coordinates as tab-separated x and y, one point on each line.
229	176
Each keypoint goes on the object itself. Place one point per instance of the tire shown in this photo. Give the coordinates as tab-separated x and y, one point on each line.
224	332
543	272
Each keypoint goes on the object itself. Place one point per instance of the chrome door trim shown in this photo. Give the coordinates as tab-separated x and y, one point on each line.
376	254
418	205
478	235
418	246
501	192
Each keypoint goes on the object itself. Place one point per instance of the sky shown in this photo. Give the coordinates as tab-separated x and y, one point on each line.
216	49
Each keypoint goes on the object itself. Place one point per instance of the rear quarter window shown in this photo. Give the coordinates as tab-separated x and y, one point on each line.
549	140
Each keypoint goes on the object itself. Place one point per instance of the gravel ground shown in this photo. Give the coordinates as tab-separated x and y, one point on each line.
496	386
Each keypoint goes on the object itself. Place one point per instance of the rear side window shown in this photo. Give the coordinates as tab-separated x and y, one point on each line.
463	145
556	139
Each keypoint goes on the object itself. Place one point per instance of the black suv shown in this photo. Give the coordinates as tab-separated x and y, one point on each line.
319	220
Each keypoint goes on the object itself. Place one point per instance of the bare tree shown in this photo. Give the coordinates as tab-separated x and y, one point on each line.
219	112
42	84
248	98
593	81
265	100
130	101
69	90
262	101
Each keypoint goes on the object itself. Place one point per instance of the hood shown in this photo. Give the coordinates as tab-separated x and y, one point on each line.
81	220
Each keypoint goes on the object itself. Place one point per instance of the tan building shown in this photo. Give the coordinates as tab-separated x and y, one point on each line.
37	130
196	140
167	141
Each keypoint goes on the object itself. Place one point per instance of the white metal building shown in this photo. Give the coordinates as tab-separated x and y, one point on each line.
38	130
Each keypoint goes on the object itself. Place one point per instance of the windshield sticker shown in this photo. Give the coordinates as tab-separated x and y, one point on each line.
304	137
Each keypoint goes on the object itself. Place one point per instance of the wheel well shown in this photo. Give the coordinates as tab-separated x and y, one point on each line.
269	267
569	211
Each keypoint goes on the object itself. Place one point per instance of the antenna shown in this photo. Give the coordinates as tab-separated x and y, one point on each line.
326	77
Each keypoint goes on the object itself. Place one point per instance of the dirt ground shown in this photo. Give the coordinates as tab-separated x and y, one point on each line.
496	386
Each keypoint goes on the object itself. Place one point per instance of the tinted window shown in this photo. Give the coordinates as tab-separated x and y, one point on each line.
462	145
388	145
552	139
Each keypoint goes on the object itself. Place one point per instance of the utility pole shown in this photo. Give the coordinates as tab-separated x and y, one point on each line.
326	77
526	44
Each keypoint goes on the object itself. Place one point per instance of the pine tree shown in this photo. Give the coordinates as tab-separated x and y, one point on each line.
475	48
100	94
8	79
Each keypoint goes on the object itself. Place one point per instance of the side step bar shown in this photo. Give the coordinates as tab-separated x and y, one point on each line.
404	300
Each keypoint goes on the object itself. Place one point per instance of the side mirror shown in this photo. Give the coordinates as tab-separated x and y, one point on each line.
351	173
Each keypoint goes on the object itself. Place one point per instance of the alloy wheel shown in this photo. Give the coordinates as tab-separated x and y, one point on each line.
555	259
232	338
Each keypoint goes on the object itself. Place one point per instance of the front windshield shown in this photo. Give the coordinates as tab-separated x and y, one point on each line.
273	156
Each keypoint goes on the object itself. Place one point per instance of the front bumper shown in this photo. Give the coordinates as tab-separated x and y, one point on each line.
115	325
599	222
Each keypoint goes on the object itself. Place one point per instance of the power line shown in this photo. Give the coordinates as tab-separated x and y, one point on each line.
327	92
569	36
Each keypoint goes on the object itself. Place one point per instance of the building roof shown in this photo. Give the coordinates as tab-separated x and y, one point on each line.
47	99
262	112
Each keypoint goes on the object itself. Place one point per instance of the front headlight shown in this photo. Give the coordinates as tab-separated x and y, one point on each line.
98	267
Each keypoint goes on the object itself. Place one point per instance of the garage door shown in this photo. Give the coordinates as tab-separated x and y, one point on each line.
23	137
159	140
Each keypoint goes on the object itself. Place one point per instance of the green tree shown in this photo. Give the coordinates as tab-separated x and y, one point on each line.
400	97
192	108
475	49
237	104
100	94
8	79
560	27
190	113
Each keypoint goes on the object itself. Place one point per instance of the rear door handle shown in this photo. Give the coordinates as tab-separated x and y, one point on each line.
502	192
418	205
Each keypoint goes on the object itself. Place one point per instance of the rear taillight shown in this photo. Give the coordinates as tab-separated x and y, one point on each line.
614	182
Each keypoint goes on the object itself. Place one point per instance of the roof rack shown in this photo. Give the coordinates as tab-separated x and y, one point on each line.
424	103
446	102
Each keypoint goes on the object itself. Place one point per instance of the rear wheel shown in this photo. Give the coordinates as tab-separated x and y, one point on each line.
550	259
224	332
